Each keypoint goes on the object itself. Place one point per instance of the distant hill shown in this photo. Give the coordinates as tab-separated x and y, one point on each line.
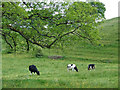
109	31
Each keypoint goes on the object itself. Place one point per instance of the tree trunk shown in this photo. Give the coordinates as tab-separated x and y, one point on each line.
28	46
7	41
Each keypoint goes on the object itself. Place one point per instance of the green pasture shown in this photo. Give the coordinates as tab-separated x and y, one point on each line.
53	72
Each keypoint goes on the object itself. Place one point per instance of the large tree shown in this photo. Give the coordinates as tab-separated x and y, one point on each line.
46	25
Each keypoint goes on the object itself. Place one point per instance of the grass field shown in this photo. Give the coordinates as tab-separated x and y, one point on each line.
53	72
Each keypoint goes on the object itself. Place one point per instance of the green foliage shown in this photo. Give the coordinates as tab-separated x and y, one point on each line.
100	9
8	50
48	25
38	53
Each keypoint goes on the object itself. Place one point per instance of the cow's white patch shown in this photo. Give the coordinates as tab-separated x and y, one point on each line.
71	67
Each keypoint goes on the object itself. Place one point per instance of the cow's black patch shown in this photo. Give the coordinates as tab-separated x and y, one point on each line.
32	68
71	64
92	66
76	69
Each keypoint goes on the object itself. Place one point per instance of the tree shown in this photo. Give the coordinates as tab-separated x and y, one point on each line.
47	25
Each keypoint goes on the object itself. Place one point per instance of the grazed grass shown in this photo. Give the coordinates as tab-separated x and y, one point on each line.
54	74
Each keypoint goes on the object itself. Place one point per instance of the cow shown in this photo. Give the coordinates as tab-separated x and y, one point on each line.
72	67
91	66
32	68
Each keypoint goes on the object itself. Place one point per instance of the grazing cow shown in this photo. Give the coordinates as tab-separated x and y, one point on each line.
32	68
72	67
91	66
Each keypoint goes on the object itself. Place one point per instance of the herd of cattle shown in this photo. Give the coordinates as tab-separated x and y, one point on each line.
73	67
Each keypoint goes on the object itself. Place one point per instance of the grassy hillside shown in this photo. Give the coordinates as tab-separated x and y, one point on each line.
54	72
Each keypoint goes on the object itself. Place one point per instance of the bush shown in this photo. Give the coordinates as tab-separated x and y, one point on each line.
38	53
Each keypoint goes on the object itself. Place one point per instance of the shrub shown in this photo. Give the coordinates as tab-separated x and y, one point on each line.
38	53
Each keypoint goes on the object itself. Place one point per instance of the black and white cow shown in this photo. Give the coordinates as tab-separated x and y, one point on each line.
32	68
91	66
72	67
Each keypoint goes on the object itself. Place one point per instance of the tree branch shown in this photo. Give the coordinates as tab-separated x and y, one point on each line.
42	34
24	36
62	36
6	40
14	42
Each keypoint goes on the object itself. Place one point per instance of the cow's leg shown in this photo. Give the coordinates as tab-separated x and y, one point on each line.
94	67
31	73
34	73
72	69
68	70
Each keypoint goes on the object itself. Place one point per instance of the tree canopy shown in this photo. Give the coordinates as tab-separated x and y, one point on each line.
46	25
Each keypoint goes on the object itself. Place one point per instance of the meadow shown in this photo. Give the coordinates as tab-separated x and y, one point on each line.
53	72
